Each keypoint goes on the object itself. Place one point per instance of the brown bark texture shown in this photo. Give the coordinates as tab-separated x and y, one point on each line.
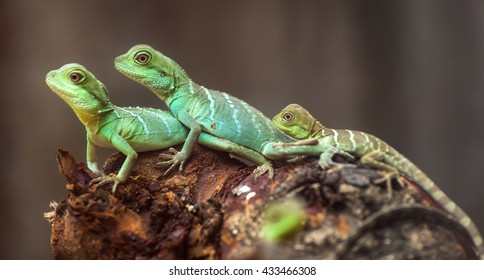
215	209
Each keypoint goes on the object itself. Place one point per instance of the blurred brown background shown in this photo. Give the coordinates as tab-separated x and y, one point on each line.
409	71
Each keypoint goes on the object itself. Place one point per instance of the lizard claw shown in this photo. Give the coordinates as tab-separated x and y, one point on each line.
106	179
387	178
261	169
172	158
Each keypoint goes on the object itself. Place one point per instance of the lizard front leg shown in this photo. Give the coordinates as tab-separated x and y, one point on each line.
325	153
175	158
91	157
121	145
304	142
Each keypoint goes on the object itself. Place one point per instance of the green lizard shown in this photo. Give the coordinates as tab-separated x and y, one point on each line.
300	124
201	109
129	130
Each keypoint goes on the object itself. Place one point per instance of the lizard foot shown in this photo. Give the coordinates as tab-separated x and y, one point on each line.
106	179
172	158
387	178
326	158
261	169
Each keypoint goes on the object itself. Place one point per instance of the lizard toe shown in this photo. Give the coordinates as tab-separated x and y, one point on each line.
262	169
170	169
115	186
106	179
387	178
178	159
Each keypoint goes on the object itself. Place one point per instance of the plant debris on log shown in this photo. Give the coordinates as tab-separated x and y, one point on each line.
215	209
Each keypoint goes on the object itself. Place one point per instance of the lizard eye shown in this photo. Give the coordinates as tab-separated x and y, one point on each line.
142	57
287	117
76	77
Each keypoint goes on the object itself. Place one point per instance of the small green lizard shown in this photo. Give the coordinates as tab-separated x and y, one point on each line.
201	109
300	124
129	130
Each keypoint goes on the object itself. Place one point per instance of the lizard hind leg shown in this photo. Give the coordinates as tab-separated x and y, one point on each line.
375	159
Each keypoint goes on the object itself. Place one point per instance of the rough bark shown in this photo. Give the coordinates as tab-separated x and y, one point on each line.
205	212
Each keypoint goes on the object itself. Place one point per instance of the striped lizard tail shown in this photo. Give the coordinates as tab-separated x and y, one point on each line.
378	154
406	167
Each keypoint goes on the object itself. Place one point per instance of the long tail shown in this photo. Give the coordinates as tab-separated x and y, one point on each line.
411	170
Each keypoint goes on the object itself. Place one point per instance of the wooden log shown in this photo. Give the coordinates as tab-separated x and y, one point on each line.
215	209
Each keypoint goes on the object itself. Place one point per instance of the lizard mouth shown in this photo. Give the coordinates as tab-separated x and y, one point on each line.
49	81
59	90
127	70
56	87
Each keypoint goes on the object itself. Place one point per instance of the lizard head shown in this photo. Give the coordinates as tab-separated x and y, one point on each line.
79	88
152	69
297	122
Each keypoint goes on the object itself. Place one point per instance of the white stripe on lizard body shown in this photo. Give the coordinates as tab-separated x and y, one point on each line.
234	113
145	127
212	102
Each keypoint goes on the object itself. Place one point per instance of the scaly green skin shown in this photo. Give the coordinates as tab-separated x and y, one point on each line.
201	109
300	124
128	130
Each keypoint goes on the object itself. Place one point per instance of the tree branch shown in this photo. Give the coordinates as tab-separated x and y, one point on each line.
215	209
